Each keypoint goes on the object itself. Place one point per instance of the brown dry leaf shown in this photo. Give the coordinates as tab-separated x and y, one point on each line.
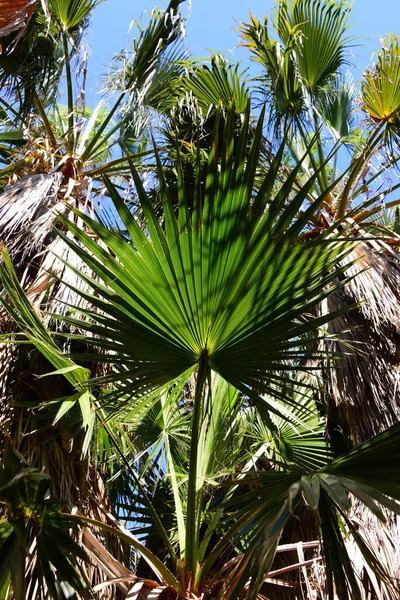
15	15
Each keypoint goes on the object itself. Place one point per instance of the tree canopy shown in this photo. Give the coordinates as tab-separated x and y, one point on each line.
199	312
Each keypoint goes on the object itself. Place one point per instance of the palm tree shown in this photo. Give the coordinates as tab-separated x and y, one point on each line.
204	325
312	87
189	338
51	153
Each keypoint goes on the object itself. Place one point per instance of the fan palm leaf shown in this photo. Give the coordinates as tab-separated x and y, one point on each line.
380	88
223	285
321	44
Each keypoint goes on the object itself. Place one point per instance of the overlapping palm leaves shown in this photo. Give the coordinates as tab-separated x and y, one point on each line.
225	287
62	147
33	62
35	536
327	113
224	284
320	32
311	52
223	290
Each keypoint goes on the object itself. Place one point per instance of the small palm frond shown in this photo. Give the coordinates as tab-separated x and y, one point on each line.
280	81
380	86
34	65
218	85
132	75
320	45
69	14
336	103
300	437
368	473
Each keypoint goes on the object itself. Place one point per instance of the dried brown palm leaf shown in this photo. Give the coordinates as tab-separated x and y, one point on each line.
28	211
362	389
382	537
26	215
15	15
365	384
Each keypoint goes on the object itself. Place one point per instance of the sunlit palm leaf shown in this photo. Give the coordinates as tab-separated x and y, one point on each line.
218	85
380	88
225	283
280	82
320	27
336	104
70	13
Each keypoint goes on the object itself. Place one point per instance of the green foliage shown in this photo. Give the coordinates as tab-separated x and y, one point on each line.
200	317
217	86
224	282
316	31
35	534
380	89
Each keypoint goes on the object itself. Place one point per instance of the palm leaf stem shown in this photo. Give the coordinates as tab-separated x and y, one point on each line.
40	108
156	564
376	209
145	498
312	158
177	498
192	530
370	146
322	161
334	166
118	162
9	107
70	94
98	138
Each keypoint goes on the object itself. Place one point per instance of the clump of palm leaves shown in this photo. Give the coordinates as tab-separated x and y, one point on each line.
52	154
322	102
215	339
203	324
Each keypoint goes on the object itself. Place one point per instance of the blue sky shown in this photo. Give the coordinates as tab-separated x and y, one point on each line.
211	23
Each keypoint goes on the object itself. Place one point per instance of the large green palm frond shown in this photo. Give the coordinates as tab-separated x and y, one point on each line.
224	284
255	521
